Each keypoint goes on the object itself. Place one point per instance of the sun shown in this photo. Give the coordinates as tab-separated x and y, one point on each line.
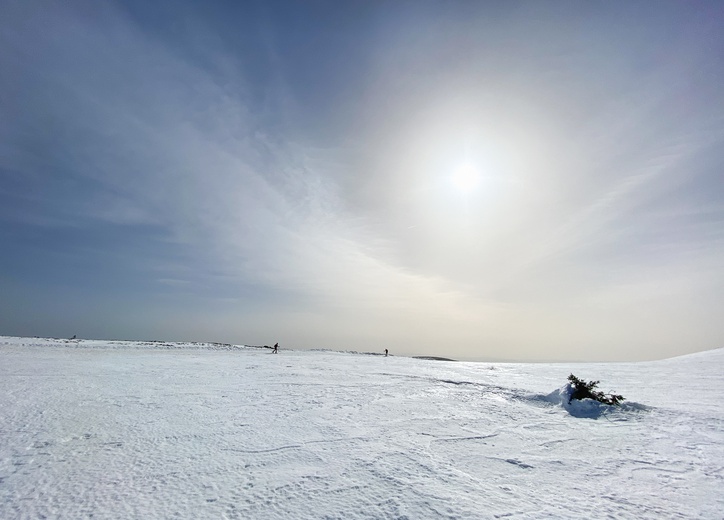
466	177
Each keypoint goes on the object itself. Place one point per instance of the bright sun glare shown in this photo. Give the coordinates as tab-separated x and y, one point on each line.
466	178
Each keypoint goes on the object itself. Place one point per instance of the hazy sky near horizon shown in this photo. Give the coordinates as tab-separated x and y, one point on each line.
476	180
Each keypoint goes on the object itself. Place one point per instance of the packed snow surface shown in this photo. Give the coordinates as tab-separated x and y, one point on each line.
98	429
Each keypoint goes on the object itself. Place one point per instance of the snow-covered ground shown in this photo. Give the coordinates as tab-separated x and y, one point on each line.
100	429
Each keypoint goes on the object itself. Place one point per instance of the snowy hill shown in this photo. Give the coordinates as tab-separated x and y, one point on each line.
116	429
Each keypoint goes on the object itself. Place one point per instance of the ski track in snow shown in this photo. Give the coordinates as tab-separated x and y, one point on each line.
113	429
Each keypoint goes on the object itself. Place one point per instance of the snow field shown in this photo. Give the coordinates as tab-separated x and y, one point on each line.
168	430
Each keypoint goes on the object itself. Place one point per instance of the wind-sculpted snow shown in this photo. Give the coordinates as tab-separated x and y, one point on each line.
591	409
170	430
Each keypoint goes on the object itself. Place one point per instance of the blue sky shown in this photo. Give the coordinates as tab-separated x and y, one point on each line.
477	180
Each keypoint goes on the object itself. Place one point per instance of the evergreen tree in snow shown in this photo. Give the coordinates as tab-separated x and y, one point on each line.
587	390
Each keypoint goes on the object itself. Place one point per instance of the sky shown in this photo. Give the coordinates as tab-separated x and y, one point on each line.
526	181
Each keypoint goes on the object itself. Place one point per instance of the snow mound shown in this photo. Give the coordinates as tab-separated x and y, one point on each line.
587	408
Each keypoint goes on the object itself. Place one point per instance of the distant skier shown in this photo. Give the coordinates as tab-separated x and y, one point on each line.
386	352
276	347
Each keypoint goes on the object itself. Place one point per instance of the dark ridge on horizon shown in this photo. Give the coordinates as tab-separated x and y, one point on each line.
433	358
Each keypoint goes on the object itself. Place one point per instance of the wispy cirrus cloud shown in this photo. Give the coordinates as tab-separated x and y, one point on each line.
244	169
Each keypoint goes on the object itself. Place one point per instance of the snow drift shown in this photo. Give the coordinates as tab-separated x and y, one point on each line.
97	429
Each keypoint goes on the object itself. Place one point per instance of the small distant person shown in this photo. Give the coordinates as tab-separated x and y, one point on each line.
386	352
276	348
